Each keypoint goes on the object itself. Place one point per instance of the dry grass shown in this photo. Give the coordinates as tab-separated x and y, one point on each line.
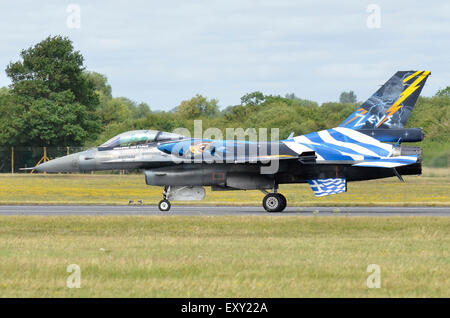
261	256
432	188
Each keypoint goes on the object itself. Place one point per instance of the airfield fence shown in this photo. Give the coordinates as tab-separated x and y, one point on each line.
14	158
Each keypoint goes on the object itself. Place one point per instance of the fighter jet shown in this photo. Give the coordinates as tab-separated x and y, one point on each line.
367	145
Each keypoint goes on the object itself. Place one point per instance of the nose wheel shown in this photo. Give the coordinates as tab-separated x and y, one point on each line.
164	205
274	202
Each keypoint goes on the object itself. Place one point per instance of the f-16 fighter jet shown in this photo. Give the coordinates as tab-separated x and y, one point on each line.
367	145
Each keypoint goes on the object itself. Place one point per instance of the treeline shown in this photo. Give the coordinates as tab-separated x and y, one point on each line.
54	101
291	115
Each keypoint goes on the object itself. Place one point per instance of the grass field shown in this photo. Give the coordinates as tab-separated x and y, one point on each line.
432	188
260	256
223	256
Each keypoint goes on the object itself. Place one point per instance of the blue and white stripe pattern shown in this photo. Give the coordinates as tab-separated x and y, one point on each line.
322	187
344	145
391	162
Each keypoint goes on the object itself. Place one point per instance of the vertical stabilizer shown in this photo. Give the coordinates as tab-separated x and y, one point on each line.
391	105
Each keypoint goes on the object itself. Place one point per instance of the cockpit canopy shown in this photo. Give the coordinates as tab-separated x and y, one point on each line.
139	137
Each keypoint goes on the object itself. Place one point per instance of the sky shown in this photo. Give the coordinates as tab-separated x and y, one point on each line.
163	52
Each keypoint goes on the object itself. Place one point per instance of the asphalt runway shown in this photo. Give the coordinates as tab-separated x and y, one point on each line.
216	210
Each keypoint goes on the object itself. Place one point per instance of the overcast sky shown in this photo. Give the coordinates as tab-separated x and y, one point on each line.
162	52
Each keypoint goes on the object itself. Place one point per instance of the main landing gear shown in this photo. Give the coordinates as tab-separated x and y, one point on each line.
274	202
164	204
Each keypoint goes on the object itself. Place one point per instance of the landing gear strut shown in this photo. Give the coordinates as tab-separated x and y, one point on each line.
164	204
274	202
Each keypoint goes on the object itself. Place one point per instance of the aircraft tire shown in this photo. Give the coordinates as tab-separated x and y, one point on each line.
284	202
274	202
164	205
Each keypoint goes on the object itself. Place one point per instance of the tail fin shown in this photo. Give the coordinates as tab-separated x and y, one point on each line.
391	105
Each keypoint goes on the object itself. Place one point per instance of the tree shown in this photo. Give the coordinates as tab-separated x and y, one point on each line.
142	110
51	101
444	92
100	83
197	106
113	110
291	96
4	91
136	111
348	97
254	98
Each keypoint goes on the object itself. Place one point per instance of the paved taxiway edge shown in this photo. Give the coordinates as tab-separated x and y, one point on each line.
217	210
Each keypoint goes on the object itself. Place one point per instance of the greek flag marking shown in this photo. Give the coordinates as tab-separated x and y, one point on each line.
322	187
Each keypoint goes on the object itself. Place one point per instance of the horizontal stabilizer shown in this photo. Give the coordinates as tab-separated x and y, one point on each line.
391	162
322	187
394	135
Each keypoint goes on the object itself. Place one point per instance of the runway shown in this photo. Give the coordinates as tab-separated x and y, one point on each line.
217	210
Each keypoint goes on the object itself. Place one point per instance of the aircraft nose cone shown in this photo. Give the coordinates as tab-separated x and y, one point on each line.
68	163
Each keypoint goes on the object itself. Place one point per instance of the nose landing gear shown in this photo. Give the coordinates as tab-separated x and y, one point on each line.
164	204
